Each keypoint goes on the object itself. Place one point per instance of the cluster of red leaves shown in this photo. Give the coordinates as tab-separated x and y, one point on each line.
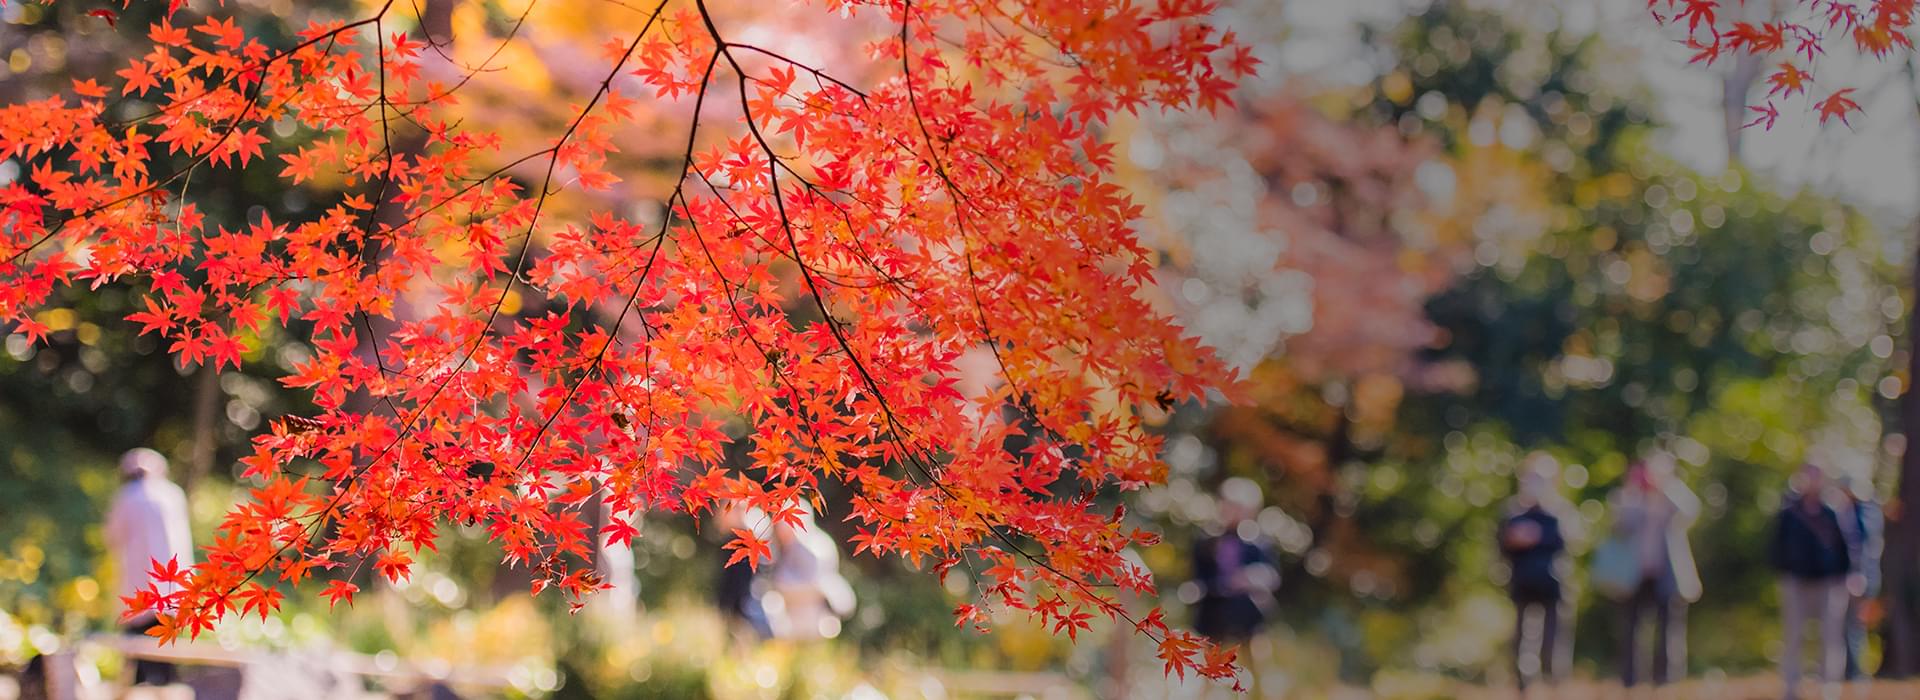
960	201
1801	33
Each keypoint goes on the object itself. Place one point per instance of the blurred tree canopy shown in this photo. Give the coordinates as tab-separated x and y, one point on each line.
1744	330
1598	300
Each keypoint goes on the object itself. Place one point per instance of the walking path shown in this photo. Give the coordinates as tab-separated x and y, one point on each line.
237	674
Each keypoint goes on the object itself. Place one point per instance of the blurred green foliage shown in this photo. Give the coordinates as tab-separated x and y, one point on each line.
1615	302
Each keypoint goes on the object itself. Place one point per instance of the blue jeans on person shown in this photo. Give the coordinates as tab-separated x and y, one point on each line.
1547	655
1669	613
1856	636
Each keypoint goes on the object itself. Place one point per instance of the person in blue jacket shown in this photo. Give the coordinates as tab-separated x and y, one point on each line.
1533	539
1235	574
1868	527
1810	550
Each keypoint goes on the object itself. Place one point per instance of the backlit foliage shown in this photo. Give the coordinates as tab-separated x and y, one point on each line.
832	241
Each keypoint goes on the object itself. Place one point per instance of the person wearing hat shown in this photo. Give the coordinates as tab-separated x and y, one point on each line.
146	524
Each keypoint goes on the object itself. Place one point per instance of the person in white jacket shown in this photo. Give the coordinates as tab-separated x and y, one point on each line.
1652	512
146	524
809	596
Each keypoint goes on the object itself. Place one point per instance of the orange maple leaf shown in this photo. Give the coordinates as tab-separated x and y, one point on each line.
1837	105
745	546
337	591
1789	80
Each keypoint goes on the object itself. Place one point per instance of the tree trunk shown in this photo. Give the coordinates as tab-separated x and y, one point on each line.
206	427
1734	87
1326	514
1900	561
1900	564
436	20
1737	83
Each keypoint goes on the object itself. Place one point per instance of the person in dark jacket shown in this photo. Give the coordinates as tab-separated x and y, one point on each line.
1534	544
1810	551
1235	574
1863	583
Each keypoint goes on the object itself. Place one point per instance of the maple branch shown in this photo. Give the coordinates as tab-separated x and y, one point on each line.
1022	398
827	195
467	73
545	190
767	357
884	279
226	133
802	66
786	224
833	326
596	363
599	356
331	37
728	287
497	414
686	163
341	490
993	345
379	200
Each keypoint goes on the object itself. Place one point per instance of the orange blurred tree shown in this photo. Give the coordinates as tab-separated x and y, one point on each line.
947	191
1302	246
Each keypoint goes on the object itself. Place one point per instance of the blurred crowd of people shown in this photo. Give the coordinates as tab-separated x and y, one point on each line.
1825	548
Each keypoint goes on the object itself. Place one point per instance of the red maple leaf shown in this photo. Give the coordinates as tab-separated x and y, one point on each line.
1789	80
1696	13
1837	105
339	591
746	547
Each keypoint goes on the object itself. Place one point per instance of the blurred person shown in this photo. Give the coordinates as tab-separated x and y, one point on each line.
1114	665
1534	543
1867	526
1235	575
808	596
1810	551
32	681
736	591
147	524
614	562
1651	514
